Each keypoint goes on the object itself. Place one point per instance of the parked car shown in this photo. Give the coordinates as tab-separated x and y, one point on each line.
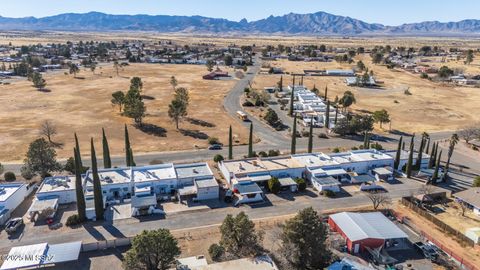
215	147
427	250
13	224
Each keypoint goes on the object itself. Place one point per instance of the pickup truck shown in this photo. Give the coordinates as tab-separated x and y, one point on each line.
13	224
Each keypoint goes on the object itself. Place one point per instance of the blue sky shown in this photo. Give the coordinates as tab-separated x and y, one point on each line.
373	11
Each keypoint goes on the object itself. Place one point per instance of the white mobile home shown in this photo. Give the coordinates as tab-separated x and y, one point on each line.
11	196
60	187
116	183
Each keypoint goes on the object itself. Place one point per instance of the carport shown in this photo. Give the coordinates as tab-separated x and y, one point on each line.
337	173
288	183
47	208
362	178
41	255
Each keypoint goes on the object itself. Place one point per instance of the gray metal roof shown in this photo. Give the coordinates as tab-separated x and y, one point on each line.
206	182
326	181
287	181
359	226
363	178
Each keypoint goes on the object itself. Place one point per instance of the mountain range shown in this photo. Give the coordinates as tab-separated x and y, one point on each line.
320	23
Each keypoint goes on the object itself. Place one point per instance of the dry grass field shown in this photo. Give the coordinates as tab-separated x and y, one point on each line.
431	107
83	105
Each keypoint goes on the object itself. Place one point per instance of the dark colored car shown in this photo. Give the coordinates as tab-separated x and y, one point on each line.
13	224
215	147
427	250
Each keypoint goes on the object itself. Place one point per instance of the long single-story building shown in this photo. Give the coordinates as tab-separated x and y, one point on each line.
11	196
368	230
471	197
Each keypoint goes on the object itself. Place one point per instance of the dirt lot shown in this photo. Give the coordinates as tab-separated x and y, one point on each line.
431	107
83	105
453	217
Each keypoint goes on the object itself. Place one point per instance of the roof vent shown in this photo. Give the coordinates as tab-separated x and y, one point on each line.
195	171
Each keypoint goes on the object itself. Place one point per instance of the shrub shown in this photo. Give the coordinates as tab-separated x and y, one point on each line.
247	104
263	154
26	173
336	150
424	75
328	193
305	133
259	103
73	220
273	153
476	182
213	140
302	185
274	185
9	177
246	90
218	158
407	92
376	146
216	251
355	148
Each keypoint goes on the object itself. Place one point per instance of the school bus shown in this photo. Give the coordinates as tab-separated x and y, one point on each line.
243	116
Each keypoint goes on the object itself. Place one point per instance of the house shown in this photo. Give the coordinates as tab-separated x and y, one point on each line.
200	263
198	178
42	255
161	179
247	191
340	72
11	196
471	197
368	230
116	183
60	187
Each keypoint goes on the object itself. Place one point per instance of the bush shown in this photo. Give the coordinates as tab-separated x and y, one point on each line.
9	177
247	104
263	154
355	148
216	251
218	158
274	185
323	136
273	153
328	193
213	140
376	146
336	150
246	90
259	103
305	133
73	220
302	185
476	182
26	173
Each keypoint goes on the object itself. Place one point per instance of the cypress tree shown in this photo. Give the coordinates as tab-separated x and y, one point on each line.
437	169
97	186
326	92
107	162
77	146
280	84
418	163
301	80
250	142
230	143
336	115
365	140
127	148
399	154
292	97
427	149
431	161
79	186
410	158
327	115
310	137
294	136
132	161
403	146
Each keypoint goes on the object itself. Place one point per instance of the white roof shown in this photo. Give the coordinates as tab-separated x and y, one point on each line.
57	183
110	176
7	190
41	254
359	226
153	173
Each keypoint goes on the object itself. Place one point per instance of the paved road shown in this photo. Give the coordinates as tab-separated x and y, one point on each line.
190	220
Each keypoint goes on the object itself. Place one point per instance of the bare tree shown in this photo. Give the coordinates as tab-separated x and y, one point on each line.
469	133
379	199
48	129
426	189
463	207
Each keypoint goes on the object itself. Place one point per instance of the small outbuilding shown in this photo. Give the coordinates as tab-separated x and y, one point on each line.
368	230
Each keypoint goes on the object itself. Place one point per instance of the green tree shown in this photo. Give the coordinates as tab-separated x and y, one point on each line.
179	105
437	169
173	82
361	65
377	58
325	96
210	64
81	208
134	107
410	158
152	250
381	117
445	72
73	69
107	162
274	185
280	84
136	84
451	148
118	99
469	58
250	141
398	155
327	115
128	158
238	236
228	59
292	98
310	137
38	81
418	164
271	117
304	241
97	186
347	100
230	143
433	156
41	158
293	145
366	140
2	169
